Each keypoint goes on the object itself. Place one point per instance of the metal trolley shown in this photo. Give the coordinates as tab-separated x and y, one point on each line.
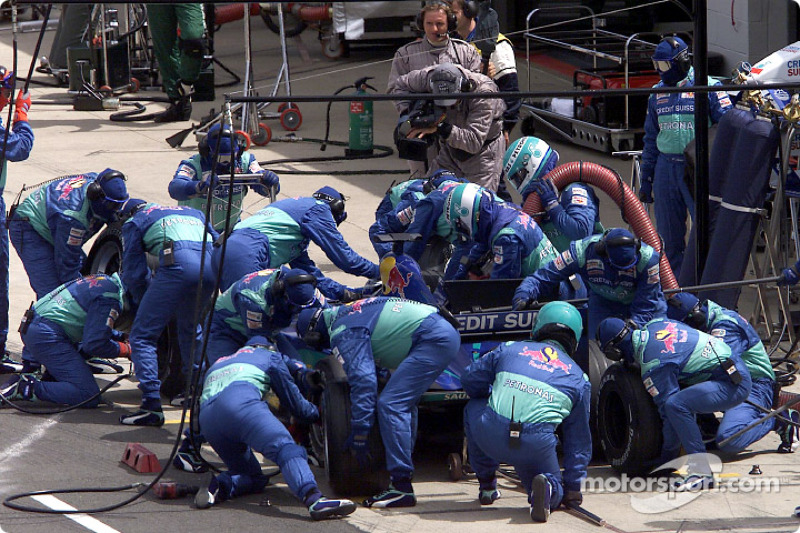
604	123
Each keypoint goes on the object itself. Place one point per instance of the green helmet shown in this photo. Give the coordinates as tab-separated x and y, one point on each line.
462	207
560	322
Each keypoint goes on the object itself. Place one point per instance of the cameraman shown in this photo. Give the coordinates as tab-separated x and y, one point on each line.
436	20
469	132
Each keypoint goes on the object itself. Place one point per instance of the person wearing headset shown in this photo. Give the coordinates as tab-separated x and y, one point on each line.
668	128
686	372
437	21
469	132
411	339
260	304
500	386
571	215
280	233
176	236
16	143
195	175
620	272
502	62
50	226
237	421
62	331
743	340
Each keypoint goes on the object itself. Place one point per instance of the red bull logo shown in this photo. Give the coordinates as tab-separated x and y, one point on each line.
393	281
266	272
68	185
546	359
669	336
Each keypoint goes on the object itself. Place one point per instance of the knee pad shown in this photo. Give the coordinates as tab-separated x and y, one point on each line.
289	452
194	48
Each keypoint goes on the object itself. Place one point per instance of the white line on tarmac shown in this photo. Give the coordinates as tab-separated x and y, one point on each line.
23	445
86	521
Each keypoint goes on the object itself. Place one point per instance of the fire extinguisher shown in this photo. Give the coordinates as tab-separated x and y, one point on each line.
360	114
360	142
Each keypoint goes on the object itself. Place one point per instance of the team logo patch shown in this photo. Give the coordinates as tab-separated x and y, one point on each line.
77	232
718	332
559	263
653	274
580	191
669	336
406	216
113	314
566	255
594	264
187	171
580	200
653	391
74	241
254	319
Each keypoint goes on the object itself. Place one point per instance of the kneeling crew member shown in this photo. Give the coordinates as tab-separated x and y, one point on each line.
520	392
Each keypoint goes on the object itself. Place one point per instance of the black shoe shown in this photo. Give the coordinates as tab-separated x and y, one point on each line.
8	365
188	460
178	111
208	494
143	417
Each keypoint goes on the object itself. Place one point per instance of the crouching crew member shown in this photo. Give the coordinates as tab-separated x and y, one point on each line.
410	338
71	324
280	233
236	421
520	392
50	226
686	372
175	235
744	341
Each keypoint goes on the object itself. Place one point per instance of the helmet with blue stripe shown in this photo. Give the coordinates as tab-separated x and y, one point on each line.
462	207
527	161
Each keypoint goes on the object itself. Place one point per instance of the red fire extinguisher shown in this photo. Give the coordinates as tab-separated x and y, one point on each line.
360	142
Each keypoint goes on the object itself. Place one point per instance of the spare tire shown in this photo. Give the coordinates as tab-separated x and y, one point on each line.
329	434
628	423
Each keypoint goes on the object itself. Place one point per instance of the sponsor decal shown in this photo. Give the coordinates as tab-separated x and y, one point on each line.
566	255
653	274
579	200
669	336
406	216
559	263
74	241
547	357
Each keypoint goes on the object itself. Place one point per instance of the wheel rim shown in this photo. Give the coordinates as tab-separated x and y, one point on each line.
291	119
107	259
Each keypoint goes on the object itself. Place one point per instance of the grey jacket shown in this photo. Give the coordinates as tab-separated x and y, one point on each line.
420	54
475	147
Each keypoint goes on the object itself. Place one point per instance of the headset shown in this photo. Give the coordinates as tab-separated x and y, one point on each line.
681	59
311	336
452	22
605	243
95	192
336	204
280	284
205	150
611	348
470	8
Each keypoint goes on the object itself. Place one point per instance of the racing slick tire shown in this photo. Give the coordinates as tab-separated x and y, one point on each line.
628	423
329	434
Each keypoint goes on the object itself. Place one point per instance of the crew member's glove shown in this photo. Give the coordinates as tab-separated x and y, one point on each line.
270	179
522	304
350	295
358	444
372	288
548	193
117	335
22	105
646	191
124	350
203	185
789	276
572	497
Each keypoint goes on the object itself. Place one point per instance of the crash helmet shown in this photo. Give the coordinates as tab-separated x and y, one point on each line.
218	140
685	307
462	208
6	79
671	60
526	161
560	322
614	337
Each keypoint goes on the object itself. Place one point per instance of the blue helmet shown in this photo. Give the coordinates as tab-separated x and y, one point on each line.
671	60
526	161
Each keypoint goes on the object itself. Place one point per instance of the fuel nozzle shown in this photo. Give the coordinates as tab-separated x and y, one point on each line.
168	490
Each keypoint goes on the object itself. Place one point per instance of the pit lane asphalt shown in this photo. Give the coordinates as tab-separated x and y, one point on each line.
84	448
